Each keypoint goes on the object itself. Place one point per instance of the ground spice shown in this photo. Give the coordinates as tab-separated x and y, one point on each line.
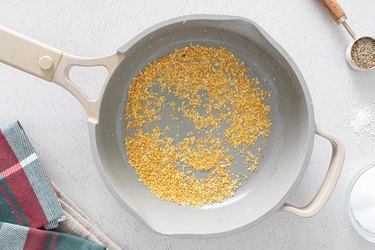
363	53
212	89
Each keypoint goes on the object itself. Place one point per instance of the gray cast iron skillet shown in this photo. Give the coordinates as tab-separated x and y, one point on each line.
290	142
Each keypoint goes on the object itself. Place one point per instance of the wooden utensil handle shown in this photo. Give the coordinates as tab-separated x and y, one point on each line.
334	9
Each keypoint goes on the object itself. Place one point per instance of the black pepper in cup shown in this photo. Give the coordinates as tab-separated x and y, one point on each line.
363	52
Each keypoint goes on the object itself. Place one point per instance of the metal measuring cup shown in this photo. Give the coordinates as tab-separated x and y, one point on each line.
339	16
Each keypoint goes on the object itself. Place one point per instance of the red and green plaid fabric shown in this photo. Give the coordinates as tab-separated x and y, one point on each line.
28	202
26	196
14	237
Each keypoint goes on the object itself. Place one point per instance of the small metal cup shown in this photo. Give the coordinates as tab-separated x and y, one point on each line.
349	58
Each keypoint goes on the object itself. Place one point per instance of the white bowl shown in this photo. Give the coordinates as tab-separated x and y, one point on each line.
360	202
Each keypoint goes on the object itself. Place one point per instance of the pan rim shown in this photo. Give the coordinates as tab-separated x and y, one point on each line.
310	128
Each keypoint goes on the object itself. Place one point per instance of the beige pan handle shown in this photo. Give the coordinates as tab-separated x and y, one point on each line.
329	182
53	65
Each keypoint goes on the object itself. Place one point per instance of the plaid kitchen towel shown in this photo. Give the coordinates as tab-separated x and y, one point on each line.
26	195
79	224
15	237
28	202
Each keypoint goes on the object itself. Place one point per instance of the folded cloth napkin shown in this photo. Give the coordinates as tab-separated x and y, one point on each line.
27	197
14	237
28	202
78	223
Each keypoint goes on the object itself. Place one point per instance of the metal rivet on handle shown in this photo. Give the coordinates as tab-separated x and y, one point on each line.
45	62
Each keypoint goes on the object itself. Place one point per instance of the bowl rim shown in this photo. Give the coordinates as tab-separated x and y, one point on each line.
357	227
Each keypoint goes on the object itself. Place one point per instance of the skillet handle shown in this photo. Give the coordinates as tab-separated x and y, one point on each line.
329	182
62	78
53	65
28	55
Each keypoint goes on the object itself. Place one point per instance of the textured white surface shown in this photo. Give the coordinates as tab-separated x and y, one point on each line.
56	124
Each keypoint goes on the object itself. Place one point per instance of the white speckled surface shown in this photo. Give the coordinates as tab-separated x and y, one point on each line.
56	124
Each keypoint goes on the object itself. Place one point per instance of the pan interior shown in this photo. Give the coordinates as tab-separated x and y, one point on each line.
289	143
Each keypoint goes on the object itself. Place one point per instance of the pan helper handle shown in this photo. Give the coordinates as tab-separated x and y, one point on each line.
53	65
329	182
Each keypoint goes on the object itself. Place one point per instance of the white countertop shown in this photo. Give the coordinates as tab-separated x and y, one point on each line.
344	102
